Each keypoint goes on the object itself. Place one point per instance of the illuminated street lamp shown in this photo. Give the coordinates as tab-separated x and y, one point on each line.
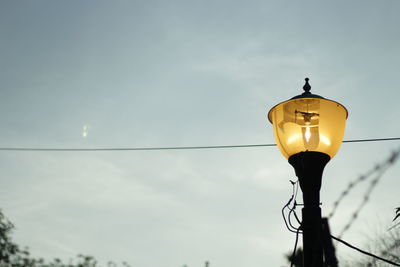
309	130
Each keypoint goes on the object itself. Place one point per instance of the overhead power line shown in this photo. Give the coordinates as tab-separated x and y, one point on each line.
131	148
173	147
372	140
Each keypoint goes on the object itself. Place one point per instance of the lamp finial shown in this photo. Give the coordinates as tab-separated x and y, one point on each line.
307	86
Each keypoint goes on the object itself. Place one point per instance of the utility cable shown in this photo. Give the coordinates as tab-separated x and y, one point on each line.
292	210
288	226
295	248
364	252
171	147
288	223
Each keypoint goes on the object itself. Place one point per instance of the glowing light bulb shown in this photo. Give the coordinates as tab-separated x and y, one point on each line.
307	134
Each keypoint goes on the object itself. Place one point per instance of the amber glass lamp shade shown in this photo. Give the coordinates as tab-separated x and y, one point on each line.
308	124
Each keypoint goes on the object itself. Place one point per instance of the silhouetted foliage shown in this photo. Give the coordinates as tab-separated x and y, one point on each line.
11	255
297	258
397	213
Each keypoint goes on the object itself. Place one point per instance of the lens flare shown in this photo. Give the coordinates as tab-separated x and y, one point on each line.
85	131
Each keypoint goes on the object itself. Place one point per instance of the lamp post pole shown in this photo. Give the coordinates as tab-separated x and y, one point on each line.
308	130
309	167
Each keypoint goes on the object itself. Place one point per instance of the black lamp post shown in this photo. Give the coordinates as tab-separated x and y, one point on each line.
309	130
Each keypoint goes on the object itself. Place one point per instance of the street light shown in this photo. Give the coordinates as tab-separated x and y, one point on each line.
309	130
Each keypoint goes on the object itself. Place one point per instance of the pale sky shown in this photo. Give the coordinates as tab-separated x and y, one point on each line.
186	73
